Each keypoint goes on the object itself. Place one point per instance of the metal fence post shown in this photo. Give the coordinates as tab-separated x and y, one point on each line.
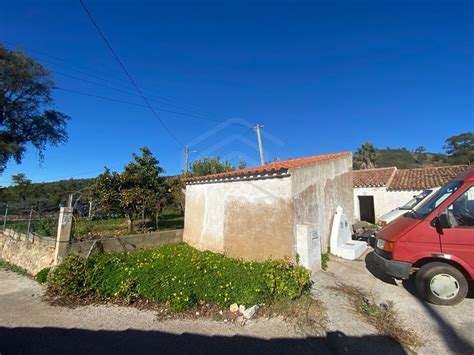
29	226
5	219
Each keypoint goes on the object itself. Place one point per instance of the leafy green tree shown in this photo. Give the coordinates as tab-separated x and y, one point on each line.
176	188
209	166
25	95
22	185
460	148
366	156
138	191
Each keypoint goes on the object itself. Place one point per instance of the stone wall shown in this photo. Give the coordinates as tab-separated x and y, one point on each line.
127	243
31	254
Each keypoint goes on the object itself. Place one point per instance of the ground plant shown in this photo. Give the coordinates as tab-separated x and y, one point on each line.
181	277
382	316
7	266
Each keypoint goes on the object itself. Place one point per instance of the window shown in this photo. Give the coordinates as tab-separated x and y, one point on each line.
438	198
461	212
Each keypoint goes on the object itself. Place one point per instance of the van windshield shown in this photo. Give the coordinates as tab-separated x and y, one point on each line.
415	200
438	198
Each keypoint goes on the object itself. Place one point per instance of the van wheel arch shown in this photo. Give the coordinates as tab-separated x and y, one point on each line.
420	263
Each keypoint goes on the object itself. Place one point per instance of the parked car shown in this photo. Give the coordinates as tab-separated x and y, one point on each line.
436	241
410	205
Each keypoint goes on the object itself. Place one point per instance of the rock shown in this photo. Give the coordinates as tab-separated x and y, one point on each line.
248	313
241	309
234	307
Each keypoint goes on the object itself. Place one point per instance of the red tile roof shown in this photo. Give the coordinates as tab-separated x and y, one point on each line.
406	179
271	168
424	178
372	177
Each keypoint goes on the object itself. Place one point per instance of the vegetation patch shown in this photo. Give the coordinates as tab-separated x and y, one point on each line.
324	260
307	313
179	277
42	275
4	265
381	316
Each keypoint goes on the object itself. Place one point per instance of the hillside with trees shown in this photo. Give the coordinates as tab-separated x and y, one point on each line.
459	150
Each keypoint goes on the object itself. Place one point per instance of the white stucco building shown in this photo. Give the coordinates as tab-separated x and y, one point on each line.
271	211
378	191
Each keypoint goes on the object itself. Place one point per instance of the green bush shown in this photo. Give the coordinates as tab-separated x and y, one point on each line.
70	277
180	276
42	275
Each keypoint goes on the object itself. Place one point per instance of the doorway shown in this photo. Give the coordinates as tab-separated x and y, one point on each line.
366	208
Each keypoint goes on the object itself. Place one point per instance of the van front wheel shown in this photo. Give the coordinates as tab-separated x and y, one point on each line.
442	284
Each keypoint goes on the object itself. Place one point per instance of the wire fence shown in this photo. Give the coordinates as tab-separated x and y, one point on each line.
32	222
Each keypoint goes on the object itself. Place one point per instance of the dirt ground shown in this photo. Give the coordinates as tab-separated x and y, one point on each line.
28	324
444	329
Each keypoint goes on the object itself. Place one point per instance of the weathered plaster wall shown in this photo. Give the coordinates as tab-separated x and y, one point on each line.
31	256
317	191
384	201
250	219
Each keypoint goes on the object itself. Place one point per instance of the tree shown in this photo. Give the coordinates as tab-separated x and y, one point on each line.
176	187
208	166
25	95
22	185
420	150
366	156
138	191
460	148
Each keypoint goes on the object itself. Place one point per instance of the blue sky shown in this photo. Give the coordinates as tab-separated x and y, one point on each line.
321	76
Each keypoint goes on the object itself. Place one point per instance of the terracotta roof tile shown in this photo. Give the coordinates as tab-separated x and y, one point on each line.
424	178
271	168
372	177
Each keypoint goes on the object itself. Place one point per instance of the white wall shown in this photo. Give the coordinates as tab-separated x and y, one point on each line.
384	201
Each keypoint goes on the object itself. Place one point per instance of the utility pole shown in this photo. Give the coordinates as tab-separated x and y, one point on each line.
186	168
257	129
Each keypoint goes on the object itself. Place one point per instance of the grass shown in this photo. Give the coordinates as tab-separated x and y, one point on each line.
382	317
4	265
324	260
84	228
307	313
179	276
45	227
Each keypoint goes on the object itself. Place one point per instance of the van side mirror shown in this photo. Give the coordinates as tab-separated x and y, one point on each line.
441	222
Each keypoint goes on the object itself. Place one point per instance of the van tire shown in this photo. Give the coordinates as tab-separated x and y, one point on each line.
432	274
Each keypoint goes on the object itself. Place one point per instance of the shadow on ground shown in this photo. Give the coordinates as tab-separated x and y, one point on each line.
79	341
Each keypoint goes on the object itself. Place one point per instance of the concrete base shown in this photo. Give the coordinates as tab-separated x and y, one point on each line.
351	250
342	244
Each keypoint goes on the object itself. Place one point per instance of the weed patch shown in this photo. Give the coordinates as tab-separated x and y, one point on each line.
307	313
7	266
42	275
382	316
180	277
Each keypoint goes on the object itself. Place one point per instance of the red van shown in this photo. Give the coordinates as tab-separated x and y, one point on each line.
436	241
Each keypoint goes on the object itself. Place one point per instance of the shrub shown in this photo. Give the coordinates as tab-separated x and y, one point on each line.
180	276
42	275
70	277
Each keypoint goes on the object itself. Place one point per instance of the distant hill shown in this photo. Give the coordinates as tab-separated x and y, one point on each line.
43	195
404	159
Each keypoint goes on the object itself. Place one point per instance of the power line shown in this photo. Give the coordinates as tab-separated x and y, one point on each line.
128	93
127	73
163	100
133	103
